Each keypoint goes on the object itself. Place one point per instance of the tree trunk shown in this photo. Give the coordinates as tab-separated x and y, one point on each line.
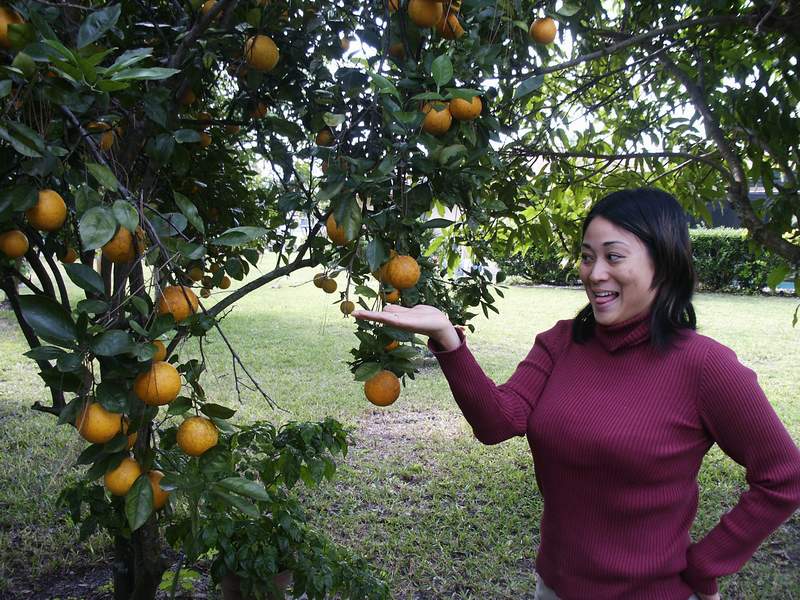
149	562
123	568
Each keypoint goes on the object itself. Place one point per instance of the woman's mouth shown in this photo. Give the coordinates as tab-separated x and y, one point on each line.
604	298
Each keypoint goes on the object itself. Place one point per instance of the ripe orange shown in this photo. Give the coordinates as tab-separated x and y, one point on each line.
397	51
329	286
159	385
402	272
70	256
96	424
207	6
318	279
95	126
119	249
205	140
336	234
225	282
344	43
188	97
449	27
160	497
437	118
463	110
232	129
178	300
49	212
161	351
324	137
392	297
118	481
383	388
347	307
391	345
107	141
260	111
425	13
7	17
205	293
131	437
204	118
543	30
195	273
13	243
261	53
196	435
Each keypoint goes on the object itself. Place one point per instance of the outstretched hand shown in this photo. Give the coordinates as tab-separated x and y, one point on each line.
422	319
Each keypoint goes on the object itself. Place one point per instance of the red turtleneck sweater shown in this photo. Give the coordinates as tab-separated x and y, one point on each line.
618	433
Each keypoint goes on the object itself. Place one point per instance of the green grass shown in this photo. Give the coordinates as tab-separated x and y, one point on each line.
441	514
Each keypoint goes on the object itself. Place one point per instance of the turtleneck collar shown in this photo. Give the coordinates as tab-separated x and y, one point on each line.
627	333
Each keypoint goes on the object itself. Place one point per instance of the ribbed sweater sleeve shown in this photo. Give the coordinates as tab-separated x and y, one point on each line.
499	412
740	419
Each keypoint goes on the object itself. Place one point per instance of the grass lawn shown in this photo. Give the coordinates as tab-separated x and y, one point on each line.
441	514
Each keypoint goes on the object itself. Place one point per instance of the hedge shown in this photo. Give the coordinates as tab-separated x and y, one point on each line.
724	260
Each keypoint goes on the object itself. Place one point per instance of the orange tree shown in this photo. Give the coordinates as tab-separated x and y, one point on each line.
158	148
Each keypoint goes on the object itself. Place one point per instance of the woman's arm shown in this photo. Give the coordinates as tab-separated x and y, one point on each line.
740	419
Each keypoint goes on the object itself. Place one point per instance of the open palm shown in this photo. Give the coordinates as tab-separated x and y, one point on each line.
422	319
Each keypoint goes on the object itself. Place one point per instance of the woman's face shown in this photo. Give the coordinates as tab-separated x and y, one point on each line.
616	271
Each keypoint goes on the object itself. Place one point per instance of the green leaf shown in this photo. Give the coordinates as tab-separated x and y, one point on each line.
377	253
112	395
243	505
85	277
190	211
442	70
527	87
22	146
139	502
5	88
93	307
104	176
245	487
180	405
152	73
384	85
48	319
777	275
332	120
112	343
128	59
217	410
97	24
437	223
569	8
366	371
126	215
90	454
238	236
45	353
363	290
97	226
463	93
186	136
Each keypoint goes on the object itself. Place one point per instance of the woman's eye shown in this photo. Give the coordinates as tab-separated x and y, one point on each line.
585	258
613	257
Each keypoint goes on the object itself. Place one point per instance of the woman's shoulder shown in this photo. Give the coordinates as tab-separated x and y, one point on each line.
702	348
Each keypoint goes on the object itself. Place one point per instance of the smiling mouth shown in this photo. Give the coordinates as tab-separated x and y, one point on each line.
603	298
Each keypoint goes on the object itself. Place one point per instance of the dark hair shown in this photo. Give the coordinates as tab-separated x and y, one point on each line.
656	218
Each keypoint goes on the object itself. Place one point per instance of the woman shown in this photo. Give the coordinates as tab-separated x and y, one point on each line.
619	406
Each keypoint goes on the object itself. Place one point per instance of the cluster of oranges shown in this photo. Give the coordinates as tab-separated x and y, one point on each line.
197	274
159	385
48	214
439	115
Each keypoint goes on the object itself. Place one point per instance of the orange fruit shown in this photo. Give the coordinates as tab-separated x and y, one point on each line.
161	351
394	5
260	111
49	212
382	388
205	140
391	345
70	256
449	27
425	13
232	129
178	300
402	272
543	30
397	51
204	118
319	278
7	17
208	5
329	286
13	243
205	292
119	249
324	137
107	141
195	273
261	53
437	118
392	297
96	424
463	110
118	481
96	126
159	385
188	97
344	43
347	307
131	437
336	234
160	497
225	283
196	435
